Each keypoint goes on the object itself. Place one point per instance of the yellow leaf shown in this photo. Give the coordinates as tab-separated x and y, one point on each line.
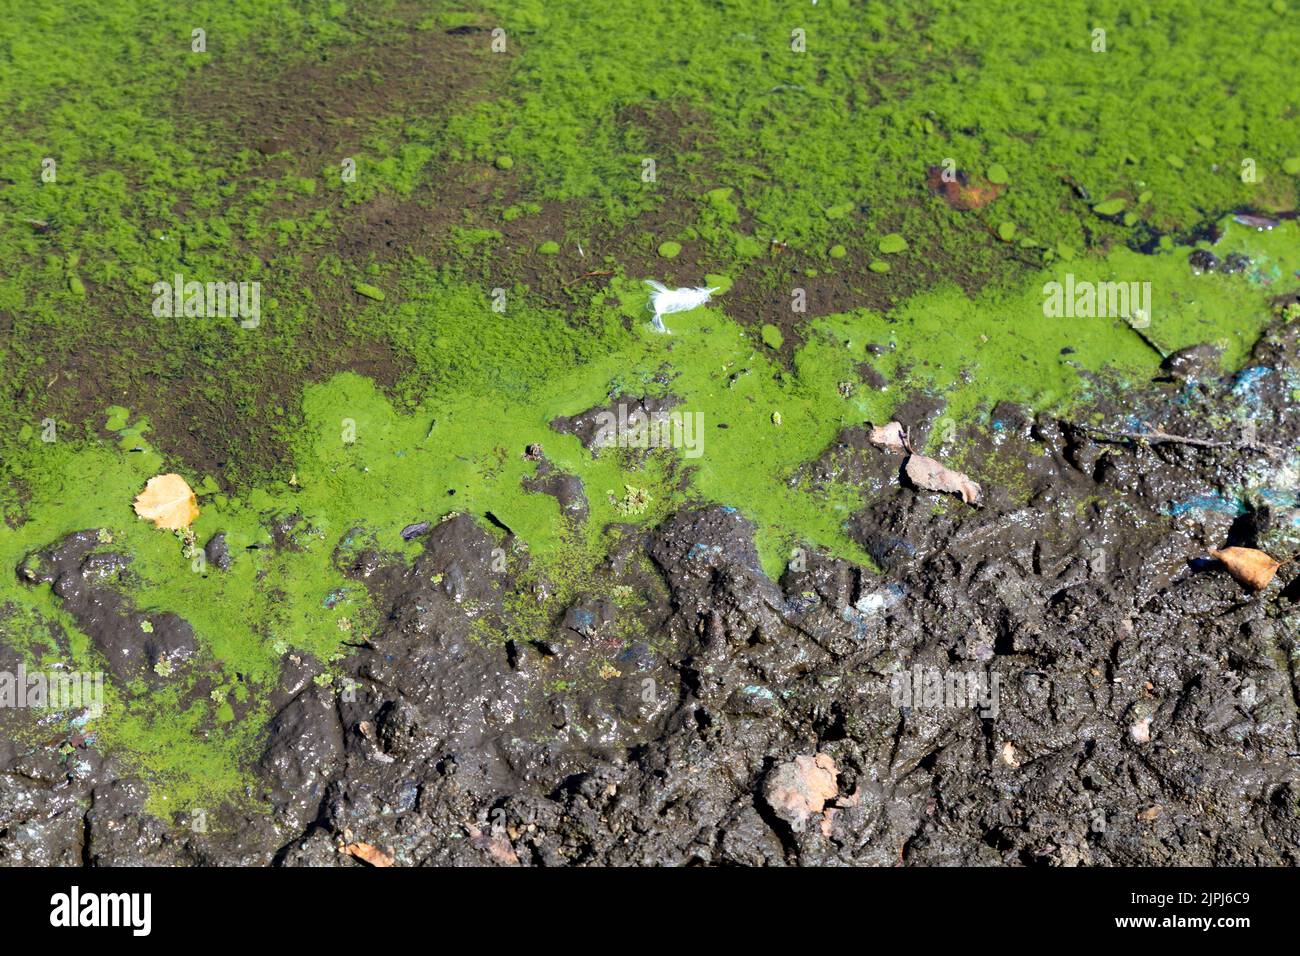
168	502
1252	568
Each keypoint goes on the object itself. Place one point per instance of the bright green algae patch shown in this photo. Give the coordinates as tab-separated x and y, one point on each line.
976	352
825	117
1159	123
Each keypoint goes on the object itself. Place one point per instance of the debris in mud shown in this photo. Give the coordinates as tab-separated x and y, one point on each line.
497	845
367	853
167	501
1262	223
1158	436
799	789
1140	731
891	436
1008	755
960	191
666	301
533	452
413	531
926	473
1253	568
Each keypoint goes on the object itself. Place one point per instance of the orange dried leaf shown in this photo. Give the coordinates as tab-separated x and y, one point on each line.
1251	567
369	854
961	191
167	501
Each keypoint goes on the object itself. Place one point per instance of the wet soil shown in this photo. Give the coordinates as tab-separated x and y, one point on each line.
1136	704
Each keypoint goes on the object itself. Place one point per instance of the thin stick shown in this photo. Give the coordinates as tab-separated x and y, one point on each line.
1158	437
590	275
1148	340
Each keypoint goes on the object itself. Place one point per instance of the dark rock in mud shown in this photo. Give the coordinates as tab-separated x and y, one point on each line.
42	825
427	685
217	551
1012	420
588	618
133	645
565	488
594	425
413	531
1234	263
287	530
301	756
713	571
1195	363
1202	260
120	832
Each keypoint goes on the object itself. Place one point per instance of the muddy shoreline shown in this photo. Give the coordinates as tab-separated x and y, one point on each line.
1136	705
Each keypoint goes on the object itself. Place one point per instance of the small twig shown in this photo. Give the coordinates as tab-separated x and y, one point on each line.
590	275
1158	437
1150	343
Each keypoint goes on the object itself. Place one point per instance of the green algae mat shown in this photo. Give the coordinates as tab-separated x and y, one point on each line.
345	263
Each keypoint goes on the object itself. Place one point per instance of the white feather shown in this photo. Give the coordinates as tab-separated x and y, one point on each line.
666	301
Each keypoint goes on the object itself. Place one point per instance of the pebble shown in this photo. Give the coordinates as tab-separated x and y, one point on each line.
1202	260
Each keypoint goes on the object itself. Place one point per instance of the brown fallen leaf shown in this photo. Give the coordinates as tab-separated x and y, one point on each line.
932	476
367	853
1252	568
167	501
961	191
798	789
889	436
